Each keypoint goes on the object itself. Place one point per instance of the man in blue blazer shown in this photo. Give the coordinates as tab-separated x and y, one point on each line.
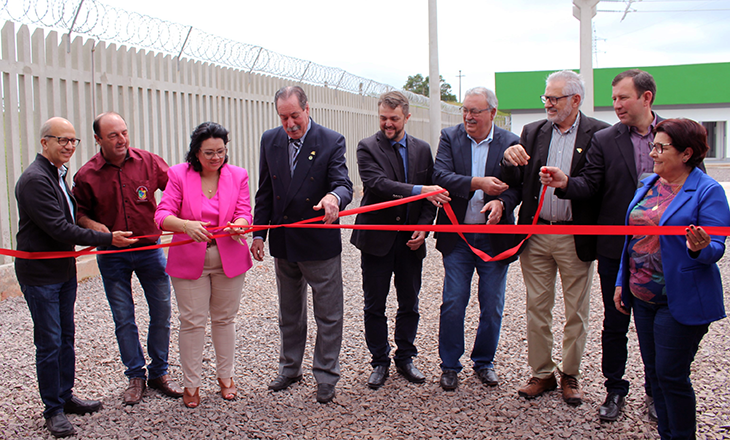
617	160
303	174
468	166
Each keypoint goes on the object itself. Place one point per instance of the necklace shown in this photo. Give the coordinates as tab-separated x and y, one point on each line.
673	190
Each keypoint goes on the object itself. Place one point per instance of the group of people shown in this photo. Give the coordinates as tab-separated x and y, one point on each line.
592	171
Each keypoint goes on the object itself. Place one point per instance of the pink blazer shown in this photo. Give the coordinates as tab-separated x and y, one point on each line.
183	197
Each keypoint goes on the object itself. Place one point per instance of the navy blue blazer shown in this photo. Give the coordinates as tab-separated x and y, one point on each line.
452	170
694	287
283	198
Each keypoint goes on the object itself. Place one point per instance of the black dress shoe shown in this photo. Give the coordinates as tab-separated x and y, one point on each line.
378	376
282	382
611	408
59	425
449	380
411	373
325	392
488	377
74	405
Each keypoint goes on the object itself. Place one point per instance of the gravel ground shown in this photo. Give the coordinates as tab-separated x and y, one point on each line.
399	410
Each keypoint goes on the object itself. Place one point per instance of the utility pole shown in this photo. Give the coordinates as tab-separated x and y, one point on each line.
460	76
585	10
433	71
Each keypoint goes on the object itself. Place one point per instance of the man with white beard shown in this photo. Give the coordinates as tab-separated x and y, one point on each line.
562	140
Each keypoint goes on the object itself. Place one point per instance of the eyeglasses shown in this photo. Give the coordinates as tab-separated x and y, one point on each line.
554	99
658	146
220	153
473	111
63	141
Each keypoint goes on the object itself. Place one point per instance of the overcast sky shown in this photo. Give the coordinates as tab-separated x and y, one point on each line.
387	40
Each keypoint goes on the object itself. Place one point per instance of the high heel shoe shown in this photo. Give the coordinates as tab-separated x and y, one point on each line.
227	392
191	400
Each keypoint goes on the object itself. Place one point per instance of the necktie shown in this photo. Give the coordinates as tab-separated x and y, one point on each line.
294	146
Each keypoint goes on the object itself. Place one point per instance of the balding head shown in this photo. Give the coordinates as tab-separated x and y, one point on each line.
54	132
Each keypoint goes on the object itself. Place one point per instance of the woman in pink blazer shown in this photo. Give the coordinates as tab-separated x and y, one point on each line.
207	275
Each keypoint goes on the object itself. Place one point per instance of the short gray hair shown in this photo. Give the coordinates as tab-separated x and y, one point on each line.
486	93
574	84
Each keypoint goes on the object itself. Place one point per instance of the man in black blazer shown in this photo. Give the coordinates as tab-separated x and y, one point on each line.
393	165
467	165
47	223
303	174
617	160
561	140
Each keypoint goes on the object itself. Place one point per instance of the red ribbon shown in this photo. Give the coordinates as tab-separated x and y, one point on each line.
455	227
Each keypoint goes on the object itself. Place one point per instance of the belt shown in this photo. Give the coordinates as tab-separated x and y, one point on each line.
211	243
546	222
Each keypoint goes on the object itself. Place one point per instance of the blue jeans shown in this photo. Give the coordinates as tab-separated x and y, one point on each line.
459	267
668	349
52	309
116	272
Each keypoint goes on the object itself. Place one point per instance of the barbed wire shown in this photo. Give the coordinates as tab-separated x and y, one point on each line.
94	19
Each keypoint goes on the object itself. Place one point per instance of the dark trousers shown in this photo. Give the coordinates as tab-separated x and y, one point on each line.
377	272
668	349
52	309
615	328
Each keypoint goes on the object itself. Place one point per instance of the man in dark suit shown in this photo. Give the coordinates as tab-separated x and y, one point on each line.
561	140
467	165
302	174
47	223
617	160
393	165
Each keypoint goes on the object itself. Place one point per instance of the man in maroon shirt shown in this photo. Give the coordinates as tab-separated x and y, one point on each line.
117	187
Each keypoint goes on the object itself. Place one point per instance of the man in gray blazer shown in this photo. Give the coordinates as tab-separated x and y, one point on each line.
467	165
393	165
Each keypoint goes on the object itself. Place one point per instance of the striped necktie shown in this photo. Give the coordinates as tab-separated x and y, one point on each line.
294	146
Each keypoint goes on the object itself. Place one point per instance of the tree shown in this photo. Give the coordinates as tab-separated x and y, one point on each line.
417	84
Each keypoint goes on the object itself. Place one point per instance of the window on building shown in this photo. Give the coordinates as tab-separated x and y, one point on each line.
716	139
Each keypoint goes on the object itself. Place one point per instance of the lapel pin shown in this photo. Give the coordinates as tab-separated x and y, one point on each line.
579	150
311	155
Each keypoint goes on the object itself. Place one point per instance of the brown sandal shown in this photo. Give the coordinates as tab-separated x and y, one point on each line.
191	400
227	392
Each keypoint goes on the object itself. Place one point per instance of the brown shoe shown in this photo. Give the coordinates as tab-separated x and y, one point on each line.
191	399
133	394
536	387
571	391
166	386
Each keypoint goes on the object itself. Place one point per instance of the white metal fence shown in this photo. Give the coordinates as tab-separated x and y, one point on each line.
162	99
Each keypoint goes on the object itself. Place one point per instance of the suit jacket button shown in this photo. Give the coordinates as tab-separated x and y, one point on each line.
397	219
273	176
278	197
307	199
286	217
312	179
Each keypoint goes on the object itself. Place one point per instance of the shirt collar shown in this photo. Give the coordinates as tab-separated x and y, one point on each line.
633	130
488	140
401	142
572	127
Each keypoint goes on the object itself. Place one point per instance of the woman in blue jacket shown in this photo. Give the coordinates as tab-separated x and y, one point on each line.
672	282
